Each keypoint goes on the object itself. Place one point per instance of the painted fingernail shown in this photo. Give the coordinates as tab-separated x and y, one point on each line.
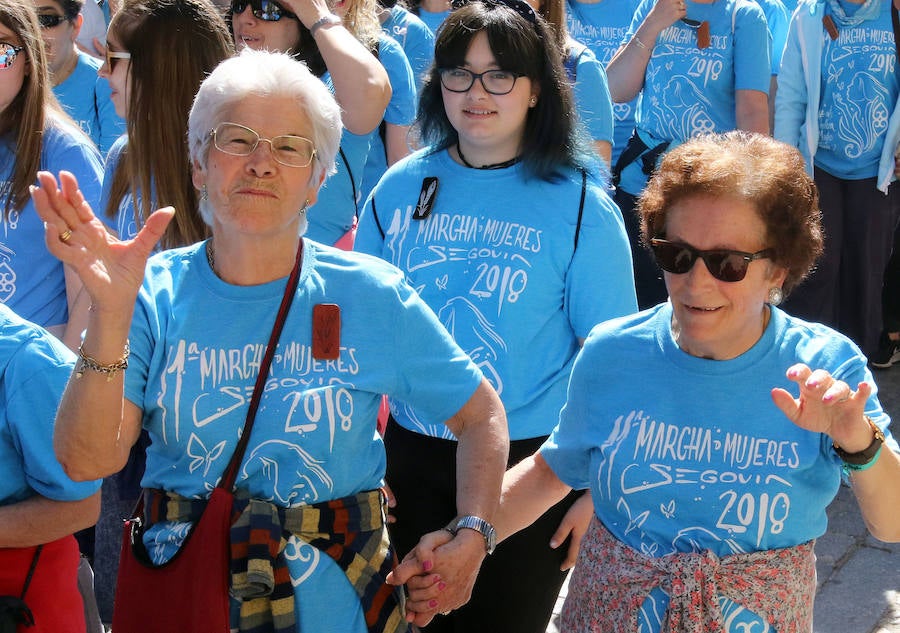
432	604
427	565
442	586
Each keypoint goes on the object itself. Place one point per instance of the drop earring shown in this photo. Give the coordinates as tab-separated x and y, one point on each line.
303	208
776	296
204	193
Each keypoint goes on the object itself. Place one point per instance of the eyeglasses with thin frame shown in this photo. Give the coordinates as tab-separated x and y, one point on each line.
112	56
495	82
51	20
240	140
265	10
8	54
723	264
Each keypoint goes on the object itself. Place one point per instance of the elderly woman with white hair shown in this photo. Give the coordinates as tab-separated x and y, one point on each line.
191	325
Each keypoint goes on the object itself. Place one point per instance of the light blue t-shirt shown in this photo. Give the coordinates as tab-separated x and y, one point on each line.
690	91
34	370
777	19
685	454
496	260
432	20
86	98
591	92
32	281
859	92
601	26
401	109
416	39
196	346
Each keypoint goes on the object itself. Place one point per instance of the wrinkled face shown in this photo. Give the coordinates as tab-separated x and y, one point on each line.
118	73
251	32
255	194
11	78
712	318
481	119
59	40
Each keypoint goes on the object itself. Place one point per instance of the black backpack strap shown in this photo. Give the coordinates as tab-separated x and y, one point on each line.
350	174
636	148
34	562
580	208
375	217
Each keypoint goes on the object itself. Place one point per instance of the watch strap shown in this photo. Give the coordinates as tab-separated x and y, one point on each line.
866	455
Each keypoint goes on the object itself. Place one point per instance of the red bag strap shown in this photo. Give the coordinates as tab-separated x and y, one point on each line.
290	290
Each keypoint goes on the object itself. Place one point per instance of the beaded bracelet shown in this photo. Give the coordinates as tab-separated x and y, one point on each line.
88	362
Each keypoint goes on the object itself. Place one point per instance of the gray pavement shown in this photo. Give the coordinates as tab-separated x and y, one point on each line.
858	576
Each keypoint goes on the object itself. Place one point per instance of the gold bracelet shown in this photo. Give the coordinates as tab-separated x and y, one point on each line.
88	362
638	41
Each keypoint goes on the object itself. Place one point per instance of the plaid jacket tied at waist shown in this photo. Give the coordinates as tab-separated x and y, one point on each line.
611	581
350	530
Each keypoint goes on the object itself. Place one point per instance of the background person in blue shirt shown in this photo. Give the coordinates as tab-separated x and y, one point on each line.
84	96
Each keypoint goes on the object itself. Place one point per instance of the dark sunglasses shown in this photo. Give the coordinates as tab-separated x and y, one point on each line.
8	54
51	20
265	10
522	8
723	264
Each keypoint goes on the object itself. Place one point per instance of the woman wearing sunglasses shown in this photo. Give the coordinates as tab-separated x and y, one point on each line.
510	238
36	134
367	71
714	429
74	73
192	325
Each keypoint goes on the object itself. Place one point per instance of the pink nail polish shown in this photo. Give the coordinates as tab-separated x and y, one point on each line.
432	604
427	565
442	586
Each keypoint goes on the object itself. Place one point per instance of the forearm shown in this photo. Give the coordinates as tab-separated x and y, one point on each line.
530	488
90	438
877	491
752	111
78	303
41	520
361	84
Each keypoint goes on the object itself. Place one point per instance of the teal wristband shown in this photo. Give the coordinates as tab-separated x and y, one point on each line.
858	468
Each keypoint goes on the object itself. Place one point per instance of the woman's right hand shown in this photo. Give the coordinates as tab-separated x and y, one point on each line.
110	269
665	13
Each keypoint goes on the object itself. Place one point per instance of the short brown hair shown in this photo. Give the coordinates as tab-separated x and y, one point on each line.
766	173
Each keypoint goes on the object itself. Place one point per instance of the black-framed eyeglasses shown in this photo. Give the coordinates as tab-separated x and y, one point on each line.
8	54
51	20
496	82
522	8
723	264
240	140
112	56
265	10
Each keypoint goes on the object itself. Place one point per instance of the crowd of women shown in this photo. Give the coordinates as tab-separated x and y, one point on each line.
456	227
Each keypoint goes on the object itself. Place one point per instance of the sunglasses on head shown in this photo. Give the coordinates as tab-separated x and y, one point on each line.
8	54
522	8
265	10
51	20
723	264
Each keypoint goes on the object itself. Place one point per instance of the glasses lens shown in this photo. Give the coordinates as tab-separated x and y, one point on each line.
8	54
235	139
238	6
725	265
457	79
294	151
265	10
673	258
498	82
50	20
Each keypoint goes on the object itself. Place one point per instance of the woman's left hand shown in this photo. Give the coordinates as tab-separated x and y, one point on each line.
827	405
575	523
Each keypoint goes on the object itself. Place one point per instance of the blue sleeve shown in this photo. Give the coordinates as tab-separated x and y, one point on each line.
369	238
639	14
112	126
401	109
791	97
75	153
600	281
777	18
419	49
592	97
36	377
752	65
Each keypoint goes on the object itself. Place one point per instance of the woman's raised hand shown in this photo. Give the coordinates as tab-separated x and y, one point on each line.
110	269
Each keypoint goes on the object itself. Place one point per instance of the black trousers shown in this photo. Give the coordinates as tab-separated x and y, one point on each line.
890	294
518	585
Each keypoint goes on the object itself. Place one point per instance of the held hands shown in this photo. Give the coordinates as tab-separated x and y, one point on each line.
439	573
826	405
110	269
574	523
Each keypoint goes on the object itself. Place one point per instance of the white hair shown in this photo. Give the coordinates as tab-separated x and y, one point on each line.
266	74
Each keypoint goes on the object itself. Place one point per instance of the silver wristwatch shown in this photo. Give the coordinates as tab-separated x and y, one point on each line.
479	525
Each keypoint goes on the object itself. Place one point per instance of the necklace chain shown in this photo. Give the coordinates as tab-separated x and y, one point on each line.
211	257
503	165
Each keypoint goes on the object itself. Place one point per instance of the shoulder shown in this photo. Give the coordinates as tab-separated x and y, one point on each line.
357	272
747	10
27	347
389	48
639	329
64	142
88	61
815	344
410	20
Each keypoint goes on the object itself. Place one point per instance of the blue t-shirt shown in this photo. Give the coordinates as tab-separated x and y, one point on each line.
502	272
777	19
591	91
125	222
859	91
32	281
34	370
196	346
690	91
86	98
401	109
432	20
686	454
601	26
416	39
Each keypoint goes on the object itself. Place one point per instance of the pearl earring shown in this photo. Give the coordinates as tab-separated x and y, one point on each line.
532	102
776	296
303	208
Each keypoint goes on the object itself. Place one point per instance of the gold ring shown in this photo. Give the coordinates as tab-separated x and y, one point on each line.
65	235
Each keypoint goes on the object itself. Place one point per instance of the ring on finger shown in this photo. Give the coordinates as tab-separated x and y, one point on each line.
65	236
